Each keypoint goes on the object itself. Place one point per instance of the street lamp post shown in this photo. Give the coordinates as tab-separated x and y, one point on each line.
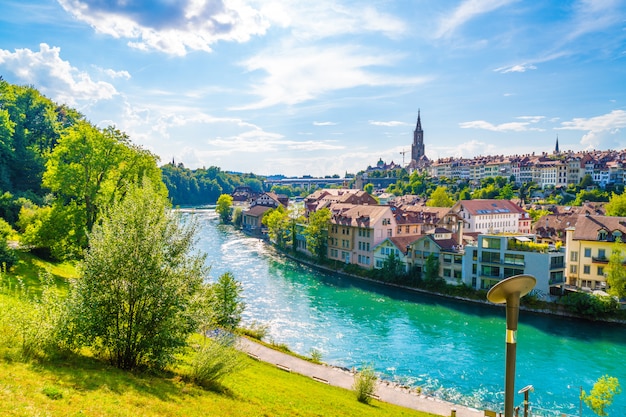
526	390
510	291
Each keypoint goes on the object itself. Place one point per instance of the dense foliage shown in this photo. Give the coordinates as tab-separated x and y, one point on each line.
132	304
204	186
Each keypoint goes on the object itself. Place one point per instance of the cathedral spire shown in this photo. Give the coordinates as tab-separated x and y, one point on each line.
417	149
556	148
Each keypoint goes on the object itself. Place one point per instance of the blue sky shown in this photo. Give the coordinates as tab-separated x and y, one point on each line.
327	87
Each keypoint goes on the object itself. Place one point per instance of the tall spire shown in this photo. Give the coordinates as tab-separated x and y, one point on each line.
417	149
556	148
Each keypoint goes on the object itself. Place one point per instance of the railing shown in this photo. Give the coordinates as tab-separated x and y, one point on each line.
600	259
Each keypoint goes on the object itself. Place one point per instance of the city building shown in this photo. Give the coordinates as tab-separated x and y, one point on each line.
589	245
490	216
495	257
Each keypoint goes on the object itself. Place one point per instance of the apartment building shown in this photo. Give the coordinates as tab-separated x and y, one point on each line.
356	229
495	257
589	245
489	216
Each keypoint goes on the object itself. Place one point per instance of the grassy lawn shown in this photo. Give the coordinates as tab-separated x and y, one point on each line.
78	385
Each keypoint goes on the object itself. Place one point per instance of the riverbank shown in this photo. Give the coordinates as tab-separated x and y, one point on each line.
558	311
385	391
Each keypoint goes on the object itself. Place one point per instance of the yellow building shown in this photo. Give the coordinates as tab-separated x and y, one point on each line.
589	245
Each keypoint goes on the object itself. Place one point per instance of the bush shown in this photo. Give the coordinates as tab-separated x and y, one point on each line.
213	360
364	384
256	330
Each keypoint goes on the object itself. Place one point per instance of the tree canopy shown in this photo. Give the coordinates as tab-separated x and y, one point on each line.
140	274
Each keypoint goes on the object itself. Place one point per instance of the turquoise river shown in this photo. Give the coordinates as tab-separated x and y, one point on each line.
451	349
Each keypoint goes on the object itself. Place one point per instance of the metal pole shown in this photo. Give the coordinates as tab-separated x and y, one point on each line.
512	314
509	291
581	402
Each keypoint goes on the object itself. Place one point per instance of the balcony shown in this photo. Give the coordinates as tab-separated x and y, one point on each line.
599	259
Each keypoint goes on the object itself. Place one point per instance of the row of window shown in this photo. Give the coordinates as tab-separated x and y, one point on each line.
586	269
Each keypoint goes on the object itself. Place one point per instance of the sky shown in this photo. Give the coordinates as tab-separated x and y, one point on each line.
325	87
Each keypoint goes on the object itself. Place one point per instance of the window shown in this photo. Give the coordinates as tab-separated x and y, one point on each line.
601	253
586	269
492	257
573	256
427	244
602	235
491	243
514	259
573	269
600	270
389	232
587	252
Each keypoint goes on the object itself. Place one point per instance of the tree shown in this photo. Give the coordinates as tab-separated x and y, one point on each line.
440	198
616	205
368	188
224	205
140	275
87	171
226	303
278	226
601	396
316	232
431	266
616	272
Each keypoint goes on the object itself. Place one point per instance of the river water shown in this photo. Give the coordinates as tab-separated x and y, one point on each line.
453	350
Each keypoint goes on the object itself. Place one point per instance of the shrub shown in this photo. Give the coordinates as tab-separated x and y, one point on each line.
364	384
316	355
256	330
213	360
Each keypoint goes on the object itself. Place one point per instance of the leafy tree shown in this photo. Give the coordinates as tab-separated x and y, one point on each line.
616	205
140	275
88	171
616	272
525	190
440	198
224	205
316	232
226	303
506	192
238	217
431	266
278	226
593	195
392	268
585	182
369	188
601	396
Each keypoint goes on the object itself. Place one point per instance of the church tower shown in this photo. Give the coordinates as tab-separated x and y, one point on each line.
417	149
556	148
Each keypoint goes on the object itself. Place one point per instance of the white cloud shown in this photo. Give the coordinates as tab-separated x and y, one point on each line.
391	123
295	75
465	12
324	123
503	127
606	122
55	77
516	68
173	27
325	19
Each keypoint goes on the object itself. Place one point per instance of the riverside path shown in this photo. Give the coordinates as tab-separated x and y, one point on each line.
385	391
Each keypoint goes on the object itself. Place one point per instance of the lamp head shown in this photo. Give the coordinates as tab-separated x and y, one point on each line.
521	284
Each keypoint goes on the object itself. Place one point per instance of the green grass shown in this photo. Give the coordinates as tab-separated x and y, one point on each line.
79	385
